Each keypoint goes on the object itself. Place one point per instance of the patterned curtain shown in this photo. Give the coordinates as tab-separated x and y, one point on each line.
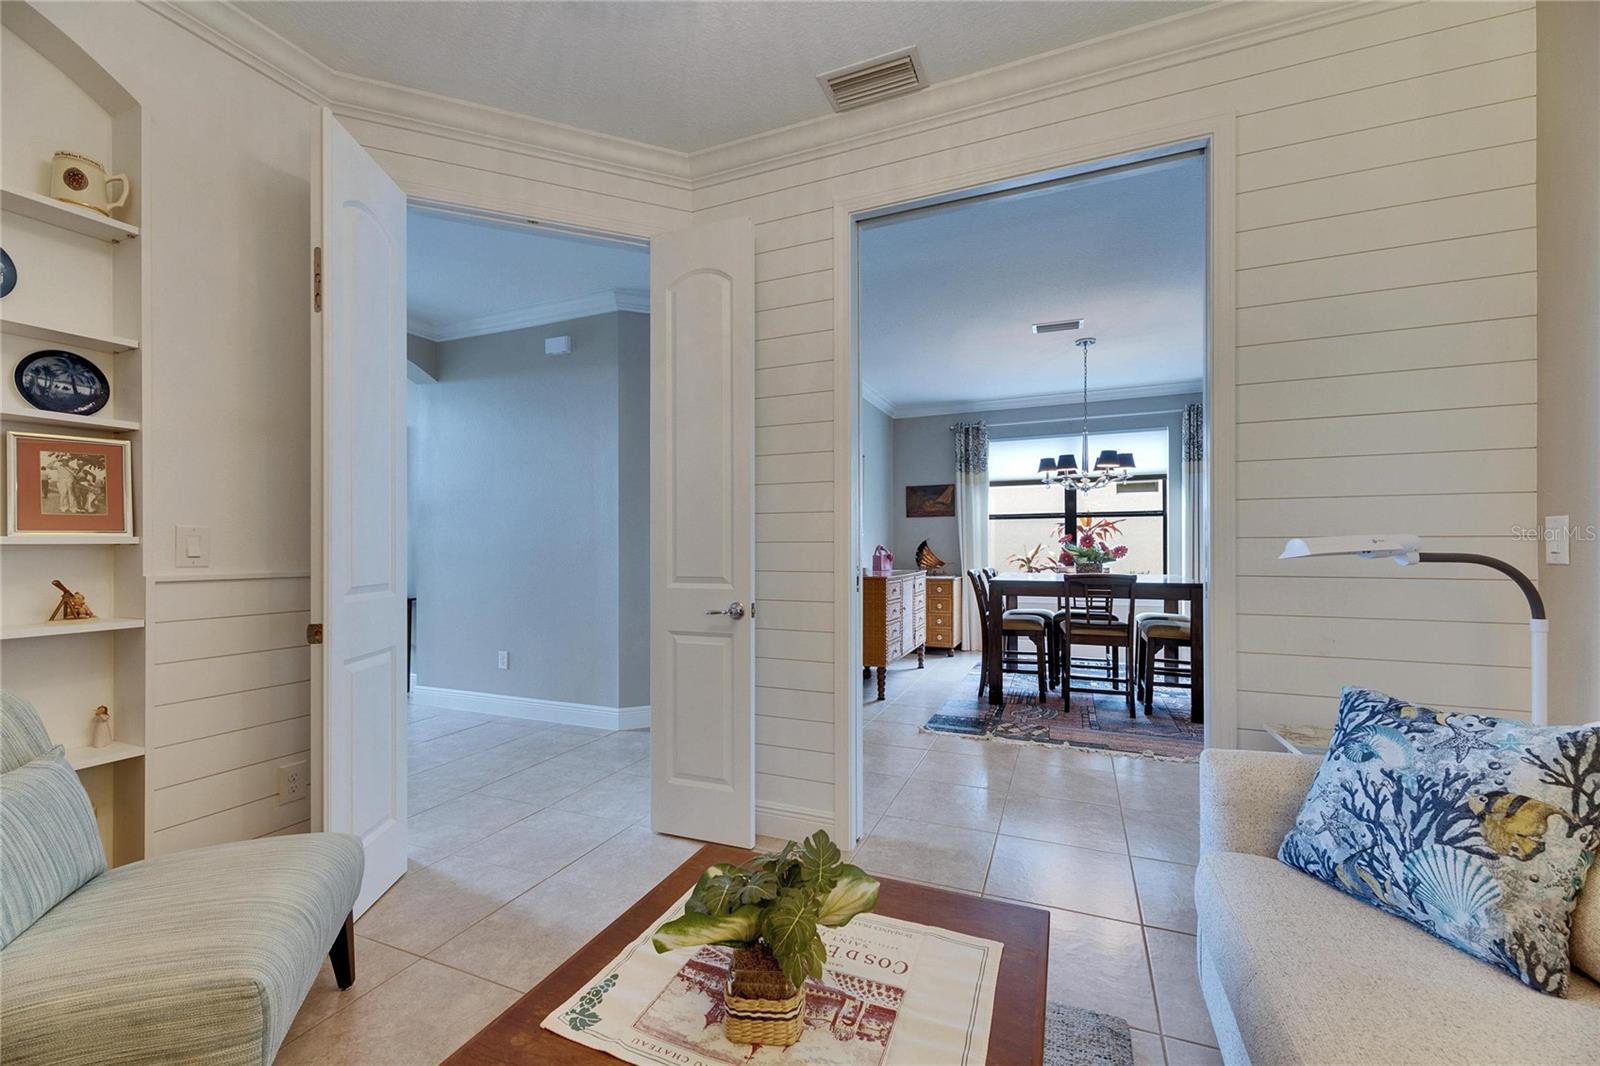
972	513
1193	483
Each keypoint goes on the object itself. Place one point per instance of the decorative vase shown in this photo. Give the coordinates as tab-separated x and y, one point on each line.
763	1006
1090	568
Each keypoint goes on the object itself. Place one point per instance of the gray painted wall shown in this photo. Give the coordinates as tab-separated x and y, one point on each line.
422	358
530	528
877	495
924	454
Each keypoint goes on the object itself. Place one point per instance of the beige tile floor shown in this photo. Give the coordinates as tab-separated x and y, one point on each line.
528	838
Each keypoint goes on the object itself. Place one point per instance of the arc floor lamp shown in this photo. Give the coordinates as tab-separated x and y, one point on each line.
1406	550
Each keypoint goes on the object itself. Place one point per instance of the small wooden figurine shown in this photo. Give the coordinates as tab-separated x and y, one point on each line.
928	561
101	735
72	608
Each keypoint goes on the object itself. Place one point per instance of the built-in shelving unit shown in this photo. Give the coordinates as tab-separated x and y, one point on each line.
79	628
32	417
66	338
81	220
81	287
86	758
48	540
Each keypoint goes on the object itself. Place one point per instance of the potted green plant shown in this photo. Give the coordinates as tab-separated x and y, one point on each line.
770	911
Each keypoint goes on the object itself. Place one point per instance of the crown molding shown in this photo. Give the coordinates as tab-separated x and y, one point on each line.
878	400
1128	53
1150	46
232	31
594	303
1053	399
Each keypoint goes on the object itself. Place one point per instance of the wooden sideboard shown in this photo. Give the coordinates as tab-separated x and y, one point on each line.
894	620
946	595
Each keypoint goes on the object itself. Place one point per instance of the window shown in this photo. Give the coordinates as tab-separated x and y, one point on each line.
1025	513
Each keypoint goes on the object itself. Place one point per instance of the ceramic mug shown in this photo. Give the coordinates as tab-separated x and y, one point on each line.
77	179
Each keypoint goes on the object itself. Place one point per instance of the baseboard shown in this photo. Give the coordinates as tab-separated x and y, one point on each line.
790	823
533	710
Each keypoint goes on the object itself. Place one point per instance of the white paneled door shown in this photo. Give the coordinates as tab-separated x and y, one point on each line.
702	533
358	503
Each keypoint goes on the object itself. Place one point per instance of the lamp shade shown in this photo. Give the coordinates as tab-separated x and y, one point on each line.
1125	459
1047	465
1108	460
1067	463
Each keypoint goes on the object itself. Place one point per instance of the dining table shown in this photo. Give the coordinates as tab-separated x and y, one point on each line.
1006	589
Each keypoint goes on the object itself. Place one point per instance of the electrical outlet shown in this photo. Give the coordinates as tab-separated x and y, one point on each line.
294	781
503	660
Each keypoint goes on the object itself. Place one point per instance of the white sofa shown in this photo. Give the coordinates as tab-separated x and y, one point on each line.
1294	971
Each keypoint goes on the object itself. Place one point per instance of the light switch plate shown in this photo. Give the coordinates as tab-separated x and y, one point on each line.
1557	540
192	546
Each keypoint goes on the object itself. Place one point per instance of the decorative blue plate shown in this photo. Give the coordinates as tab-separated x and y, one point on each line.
8	274
63	382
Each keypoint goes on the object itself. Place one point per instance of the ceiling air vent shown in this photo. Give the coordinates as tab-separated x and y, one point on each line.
878	79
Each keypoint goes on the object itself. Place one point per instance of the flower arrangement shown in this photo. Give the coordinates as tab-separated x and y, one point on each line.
1091	548
1087	549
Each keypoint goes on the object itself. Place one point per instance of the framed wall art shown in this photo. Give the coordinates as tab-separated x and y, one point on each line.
930	501
68	485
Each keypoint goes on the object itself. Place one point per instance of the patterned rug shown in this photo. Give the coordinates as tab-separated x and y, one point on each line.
1077	1037
1094	721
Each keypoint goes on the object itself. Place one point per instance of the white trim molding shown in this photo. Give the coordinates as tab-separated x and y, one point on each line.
594	303
793	823
1049	399
232	31
1217	133
1208	30
529	709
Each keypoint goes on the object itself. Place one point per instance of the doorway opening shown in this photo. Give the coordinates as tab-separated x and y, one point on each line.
528	512
1034	368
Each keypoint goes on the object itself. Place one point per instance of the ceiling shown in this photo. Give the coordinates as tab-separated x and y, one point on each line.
948	295
676	74
466	276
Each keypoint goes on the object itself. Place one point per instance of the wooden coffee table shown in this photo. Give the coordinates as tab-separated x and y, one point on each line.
1016	1032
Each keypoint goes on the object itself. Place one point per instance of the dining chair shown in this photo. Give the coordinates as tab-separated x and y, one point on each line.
1109	624
1161	634
1050	615
1013	624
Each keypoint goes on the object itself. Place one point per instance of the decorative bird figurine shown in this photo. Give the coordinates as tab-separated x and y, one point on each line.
1514	824
928	561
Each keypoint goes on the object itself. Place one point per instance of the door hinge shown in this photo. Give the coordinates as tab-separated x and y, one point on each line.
316	278
314	633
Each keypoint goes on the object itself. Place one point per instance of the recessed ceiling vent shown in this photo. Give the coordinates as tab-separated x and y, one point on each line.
877	79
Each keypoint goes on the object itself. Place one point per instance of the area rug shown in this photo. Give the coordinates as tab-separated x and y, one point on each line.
1077	1037
1096	721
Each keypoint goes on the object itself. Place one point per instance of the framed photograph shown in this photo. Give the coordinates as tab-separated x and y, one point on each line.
930	501
59	484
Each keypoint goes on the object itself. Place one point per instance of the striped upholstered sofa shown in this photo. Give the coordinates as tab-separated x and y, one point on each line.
203	956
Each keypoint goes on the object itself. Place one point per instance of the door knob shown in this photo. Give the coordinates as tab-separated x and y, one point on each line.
734	610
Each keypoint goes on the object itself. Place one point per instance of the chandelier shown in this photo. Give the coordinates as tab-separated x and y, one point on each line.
1110	467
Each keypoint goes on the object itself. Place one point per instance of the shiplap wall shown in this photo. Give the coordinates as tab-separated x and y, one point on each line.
1385	361
1384	316
229	703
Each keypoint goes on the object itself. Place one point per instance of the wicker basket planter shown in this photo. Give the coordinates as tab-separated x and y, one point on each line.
767	1008
1091	568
